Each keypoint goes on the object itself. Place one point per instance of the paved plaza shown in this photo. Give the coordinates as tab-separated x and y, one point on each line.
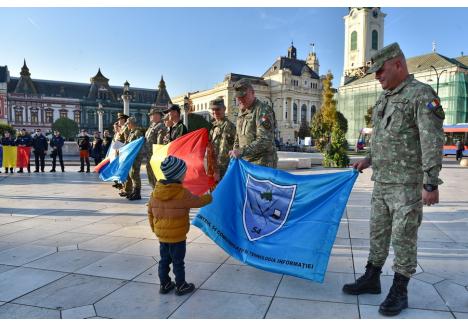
70	247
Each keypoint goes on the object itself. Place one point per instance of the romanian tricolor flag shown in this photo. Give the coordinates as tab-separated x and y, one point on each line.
22	159
191	148
9	156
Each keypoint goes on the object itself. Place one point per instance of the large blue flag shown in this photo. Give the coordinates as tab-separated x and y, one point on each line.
117	170
275	220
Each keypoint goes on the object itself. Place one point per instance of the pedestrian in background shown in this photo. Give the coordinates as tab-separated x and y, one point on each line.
96	148
406	158
84	146
40	147
24	139
56	143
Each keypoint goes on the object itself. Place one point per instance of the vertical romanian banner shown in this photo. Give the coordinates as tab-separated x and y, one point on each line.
9	156
24	154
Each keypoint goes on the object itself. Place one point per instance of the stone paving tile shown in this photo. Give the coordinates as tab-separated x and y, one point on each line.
138	300
65	239
29	235
360	261
118	266
359	228
450	267
372	312
203	239
17	311
340	260
134	231
2	303
301	309
68	261
21	255
420	295
329	290
19	281
205	253
98	228
4	219
79	312
428	278
243	279
10	228
144	247
234	261
455	296
195	272
125	220
71	291
7	245
213	304
193	233
108	244
460	315
4	268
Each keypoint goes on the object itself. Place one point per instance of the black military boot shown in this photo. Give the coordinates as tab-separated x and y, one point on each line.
397	298
135	195
367	283
123	194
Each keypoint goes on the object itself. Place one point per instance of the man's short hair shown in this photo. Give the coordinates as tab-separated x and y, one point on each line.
241	87
217	102
174	107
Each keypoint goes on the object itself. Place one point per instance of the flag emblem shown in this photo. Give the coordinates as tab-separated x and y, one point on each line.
433	104
266	207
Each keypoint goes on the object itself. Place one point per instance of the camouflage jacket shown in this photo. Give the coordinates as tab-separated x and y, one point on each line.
154	135
407	135
134	135
177	131
222	136
123	134
255	134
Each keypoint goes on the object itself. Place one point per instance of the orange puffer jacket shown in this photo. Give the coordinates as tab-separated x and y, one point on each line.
168	211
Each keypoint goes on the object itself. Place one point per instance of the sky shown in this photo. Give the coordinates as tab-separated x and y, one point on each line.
194	48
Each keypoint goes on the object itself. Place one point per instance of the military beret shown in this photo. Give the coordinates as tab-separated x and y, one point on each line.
155	110
217	102
384	54
241	87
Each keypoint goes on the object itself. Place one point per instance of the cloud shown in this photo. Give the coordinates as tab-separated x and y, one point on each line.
33	23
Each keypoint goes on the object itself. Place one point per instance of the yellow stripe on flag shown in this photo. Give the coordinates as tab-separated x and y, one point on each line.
159	154
9	156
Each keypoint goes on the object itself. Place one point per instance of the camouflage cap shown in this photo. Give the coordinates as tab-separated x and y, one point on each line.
131	120
241	87
155	110
384	54
121	115
217	102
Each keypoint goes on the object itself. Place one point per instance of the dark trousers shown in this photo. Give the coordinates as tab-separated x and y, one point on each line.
39	155
54	159
172	253
97	160
82	162
459	154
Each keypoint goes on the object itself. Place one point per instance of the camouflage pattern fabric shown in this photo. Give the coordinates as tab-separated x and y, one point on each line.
134	180
177	131
222	136
255	134
396	215
154	135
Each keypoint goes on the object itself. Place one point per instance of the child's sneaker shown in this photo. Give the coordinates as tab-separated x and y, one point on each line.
185	288
166	288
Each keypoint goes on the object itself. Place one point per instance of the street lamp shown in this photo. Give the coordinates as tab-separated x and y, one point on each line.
100	113
438	77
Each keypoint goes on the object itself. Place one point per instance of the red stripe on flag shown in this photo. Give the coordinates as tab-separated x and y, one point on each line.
22	156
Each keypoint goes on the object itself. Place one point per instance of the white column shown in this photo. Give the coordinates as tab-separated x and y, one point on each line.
291	116
285	108
126	100
299	112
309	105
100	123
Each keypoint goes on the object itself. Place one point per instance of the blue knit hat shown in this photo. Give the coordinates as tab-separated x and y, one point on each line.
173	168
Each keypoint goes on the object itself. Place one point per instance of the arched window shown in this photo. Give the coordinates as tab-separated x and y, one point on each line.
295	113
375	40
303	112
354	41
312	111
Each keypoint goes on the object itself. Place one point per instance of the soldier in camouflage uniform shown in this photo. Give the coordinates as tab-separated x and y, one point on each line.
406	156
177	129
256	123
124	130
222	135
154	135
133	184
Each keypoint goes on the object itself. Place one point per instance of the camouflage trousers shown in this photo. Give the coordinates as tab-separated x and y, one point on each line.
396	215
269	160
134	181
149	171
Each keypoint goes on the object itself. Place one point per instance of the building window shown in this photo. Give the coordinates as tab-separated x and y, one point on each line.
303	112
77	116
19	115
49	116
63	114
34	116
354	41
375	40
295	113
312	111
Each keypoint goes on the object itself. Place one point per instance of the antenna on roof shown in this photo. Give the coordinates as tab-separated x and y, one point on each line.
434	46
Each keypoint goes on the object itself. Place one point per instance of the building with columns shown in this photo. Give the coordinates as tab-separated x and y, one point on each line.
360	91
290	85
33	103
4	79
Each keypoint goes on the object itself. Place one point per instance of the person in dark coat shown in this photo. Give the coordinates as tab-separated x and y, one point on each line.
56	143
24	140
7	140
40	147
96	148
84	145
106	142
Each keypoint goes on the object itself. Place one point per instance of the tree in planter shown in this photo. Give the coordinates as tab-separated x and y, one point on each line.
6	127
304	130
68	128
329	127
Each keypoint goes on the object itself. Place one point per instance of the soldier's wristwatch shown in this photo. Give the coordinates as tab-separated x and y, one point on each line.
429	187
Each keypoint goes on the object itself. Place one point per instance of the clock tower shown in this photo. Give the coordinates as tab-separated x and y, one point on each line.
364	33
